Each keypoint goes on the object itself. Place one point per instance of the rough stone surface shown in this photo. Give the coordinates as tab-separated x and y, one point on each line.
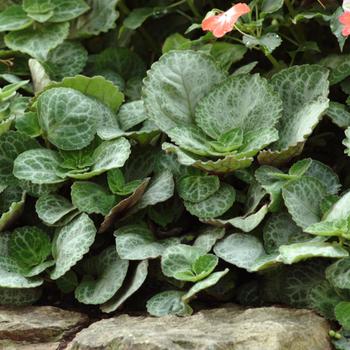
12	345
22	327
231	328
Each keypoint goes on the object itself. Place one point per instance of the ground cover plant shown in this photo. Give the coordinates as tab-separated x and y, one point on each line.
170	156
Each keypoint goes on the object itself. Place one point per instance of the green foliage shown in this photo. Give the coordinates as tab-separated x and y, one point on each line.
202	156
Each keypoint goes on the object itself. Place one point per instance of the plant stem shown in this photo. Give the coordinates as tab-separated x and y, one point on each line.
273	60
176	4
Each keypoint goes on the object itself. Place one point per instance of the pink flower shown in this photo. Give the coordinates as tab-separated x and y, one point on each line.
223	23
345	20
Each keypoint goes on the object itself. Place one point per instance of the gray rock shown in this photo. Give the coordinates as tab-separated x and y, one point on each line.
14	345
34	325
231	328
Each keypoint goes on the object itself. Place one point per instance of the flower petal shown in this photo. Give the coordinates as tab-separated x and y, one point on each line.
211	23
223	23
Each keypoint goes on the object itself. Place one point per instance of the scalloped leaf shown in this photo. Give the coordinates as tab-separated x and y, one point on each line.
11	277
14	18
175	84
339	114
65	60
117	185
314	168
90	198
337	227
138	278
66	10
97	87
208	237
160	189
68	118
40	166
52	208
340	209
208	282
280	230
342	314
137	242
324	298
37	42
296	252
303	90
37	6
260	108
197	188
12	144
99	19
29	246
214	205
191	139
338	274
70	244
240	250
280	158
303	198
131	114
111	272
187	263
298	280
228	164
339	67
245	223
168	303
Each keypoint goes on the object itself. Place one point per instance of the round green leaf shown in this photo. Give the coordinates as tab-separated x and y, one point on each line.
90	197
256	106
279	230
37	42
303	90
342	313
67	59
52	207
68	118
303	198
70	244
29	246
134	284
338	274
239	249
197	188
40	166
215	205
168	303
137	242
187	263
11	276
175	84
111	272
14	18
204	284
